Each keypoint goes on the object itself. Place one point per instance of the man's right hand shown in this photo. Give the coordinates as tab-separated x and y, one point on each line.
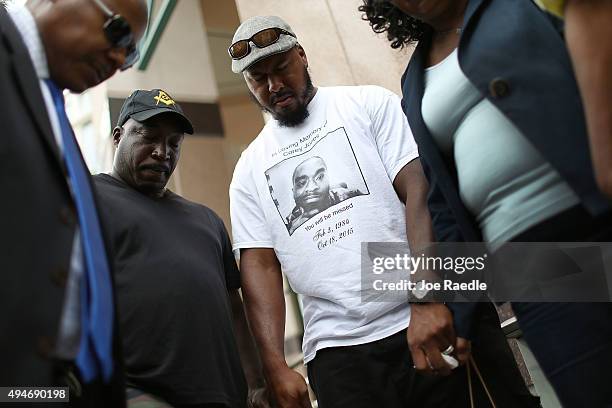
430	332
289	389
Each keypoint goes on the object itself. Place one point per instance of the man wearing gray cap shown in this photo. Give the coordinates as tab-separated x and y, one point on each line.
356	351
176	278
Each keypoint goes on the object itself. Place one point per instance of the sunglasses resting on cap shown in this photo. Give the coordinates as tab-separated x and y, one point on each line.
261	39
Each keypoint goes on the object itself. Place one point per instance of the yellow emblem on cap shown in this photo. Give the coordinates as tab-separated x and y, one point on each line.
163	98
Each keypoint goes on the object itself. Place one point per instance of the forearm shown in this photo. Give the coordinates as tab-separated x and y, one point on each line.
268	322
246	345
412	188
418	223
262	288
588	31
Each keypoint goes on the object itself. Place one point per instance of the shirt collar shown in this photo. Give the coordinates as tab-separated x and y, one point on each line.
24	21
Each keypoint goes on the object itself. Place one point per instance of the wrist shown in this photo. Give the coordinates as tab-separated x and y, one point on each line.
255	381
273	367
423	291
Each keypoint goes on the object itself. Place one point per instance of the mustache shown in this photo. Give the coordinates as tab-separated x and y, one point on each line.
280	95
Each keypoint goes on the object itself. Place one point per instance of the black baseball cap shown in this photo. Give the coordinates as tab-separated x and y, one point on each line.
142	105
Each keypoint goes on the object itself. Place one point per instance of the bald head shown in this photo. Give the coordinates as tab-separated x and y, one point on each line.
79	54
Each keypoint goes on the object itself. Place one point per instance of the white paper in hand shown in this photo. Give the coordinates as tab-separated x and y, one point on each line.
451	361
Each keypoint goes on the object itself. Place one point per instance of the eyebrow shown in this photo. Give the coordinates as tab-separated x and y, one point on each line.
139	126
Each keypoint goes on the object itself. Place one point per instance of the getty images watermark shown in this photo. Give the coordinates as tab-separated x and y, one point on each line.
432	267
457	272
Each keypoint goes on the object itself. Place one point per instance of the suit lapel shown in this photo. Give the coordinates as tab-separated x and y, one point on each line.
27	80
413	90
470	10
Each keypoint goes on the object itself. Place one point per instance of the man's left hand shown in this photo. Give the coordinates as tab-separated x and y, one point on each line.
258	398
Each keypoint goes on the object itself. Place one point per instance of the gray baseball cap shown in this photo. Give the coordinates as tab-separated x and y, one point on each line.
254	25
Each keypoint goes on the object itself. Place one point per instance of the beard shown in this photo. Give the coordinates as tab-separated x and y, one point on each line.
296	116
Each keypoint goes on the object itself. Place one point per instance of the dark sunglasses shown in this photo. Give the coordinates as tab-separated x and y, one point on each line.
119	34
261	39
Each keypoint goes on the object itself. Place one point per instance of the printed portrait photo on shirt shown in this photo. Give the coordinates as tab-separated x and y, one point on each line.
309	183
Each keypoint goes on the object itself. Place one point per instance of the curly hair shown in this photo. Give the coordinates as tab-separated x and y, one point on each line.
383	16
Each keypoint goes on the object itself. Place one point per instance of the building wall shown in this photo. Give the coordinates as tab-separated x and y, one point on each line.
181	63
88	113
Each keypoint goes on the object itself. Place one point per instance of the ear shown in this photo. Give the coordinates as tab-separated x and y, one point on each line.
117	133
302	54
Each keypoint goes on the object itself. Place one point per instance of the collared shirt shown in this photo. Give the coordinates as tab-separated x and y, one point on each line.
26	25
68	337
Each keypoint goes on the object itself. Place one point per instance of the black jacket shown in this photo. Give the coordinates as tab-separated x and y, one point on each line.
37	227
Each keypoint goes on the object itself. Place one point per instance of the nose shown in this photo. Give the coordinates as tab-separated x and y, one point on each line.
274	83
117	56
312	186
160	152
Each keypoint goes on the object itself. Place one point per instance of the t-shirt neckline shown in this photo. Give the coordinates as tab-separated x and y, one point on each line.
167	193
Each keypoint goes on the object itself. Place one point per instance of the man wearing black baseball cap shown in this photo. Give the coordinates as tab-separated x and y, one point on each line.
147	167
177	281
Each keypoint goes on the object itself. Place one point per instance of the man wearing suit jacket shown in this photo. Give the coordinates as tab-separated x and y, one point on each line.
57	302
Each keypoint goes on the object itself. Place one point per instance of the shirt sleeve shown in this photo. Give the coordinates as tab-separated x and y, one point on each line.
393	136
249	227
230	268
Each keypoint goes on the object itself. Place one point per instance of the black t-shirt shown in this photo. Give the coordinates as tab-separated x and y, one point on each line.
173	266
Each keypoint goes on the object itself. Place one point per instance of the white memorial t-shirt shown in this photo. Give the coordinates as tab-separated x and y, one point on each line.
314	193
